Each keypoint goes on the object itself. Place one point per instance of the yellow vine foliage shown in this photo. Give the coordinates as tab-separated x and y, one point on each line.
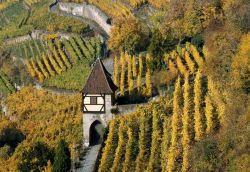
140	157
190	63
38	73
30	69
197	57
186	121
154	160
105	163
117	165
134	69
62	54
48	67
181	66
139	77
44	72
165	143
210	123
122	78
129	72
175	147
54	64
128	150
116	71
198	121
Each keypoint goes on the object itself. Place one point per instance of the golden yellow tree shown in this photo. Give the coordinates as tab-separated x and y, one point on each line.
241	66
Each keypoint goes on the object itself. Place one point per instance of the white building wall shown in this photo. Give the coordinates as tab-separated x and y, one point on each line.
104	118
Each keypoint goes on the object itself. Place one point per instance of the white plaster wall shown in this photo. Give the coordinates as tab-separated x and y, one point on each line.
104	118
94	108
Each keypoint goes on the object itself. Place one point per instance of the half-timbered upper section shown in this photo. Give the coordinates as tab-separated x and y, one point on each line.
98	92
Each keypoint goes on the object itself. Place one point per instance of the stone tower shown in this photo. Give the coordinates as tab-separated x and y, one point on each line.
97	101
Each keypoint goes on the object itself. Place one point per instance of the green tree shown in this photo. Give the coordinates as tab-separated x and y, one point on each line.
35	157
62	158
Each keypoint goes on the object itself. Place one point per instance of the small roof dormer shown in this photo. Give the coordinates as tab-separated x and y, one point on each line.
99	80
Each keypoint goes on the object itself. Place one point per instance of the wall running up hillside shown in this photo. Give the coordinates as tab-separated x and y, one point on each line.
87	11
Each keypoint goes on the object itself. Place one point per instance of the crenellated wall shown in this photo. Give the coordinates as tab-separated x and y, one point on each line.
87	11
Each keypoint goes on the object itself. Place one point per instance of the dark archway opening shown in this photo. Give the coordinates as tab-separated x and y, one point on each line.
96	132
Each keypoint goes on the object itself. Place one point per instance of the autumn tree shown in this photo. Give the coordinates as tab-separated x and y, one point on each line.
62	158
241	66
35	157
127	34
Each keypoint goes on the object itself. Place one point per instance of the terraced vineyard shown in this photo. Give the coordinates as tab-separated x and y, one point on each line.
27	49
6	86
184	60
63	60
157	135
14	14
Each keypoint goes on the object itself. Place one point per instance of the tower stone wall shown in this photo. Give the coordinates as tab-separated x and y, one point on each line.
103	118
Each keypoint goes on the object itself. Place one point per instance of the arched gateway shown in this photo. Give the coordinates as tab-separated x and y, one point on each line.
97	101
